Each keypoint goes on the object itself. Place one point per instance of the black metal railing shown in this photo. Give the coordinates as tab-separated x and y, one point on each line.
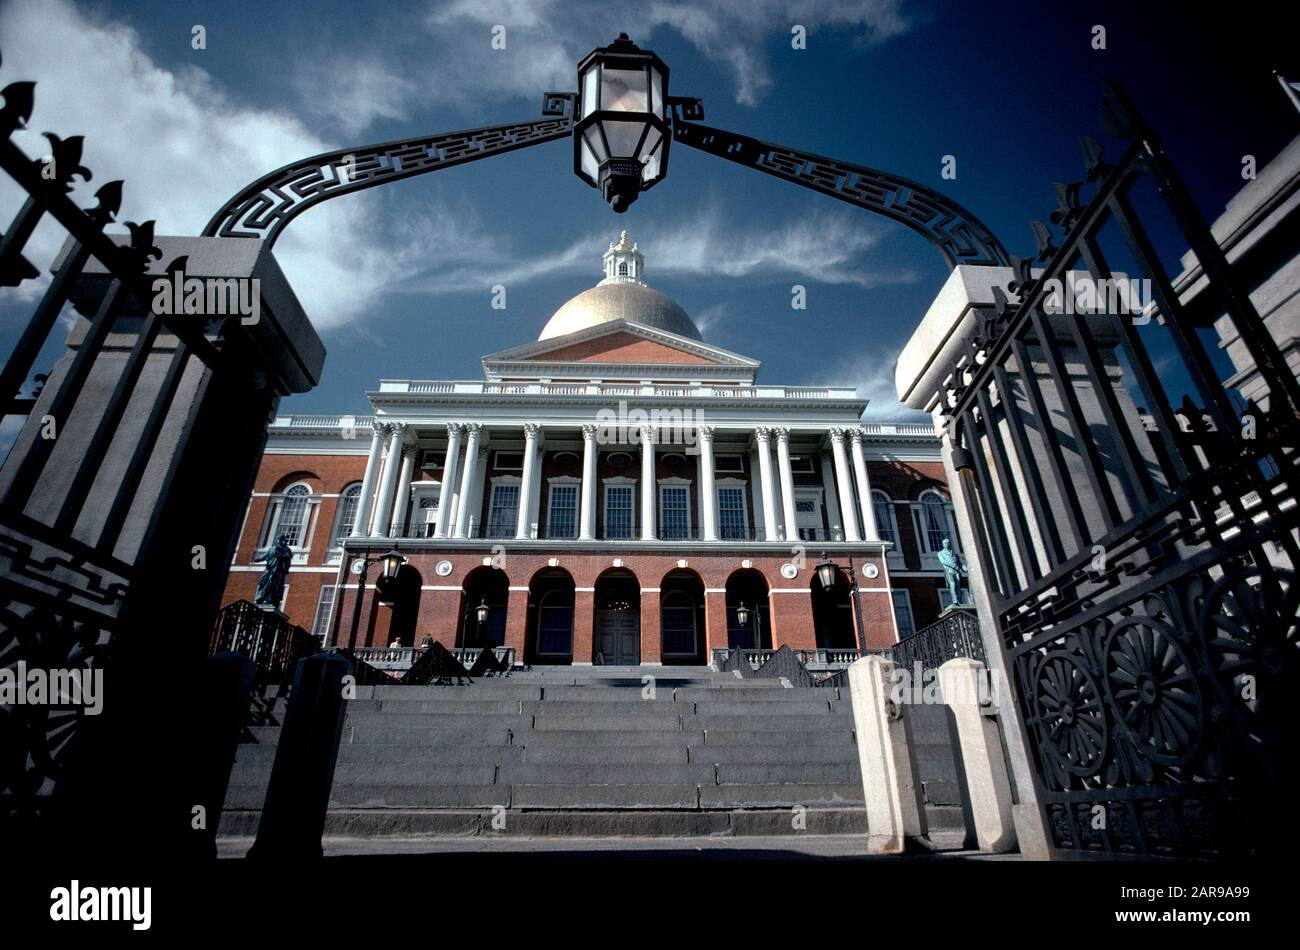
957	635
266	637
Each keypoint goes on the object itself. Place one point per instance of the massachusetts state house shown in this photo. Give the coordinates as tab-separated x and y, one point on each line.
618	491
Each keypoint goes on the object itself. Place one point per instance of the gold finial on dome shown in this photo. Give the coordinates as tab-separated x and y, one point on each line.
622	242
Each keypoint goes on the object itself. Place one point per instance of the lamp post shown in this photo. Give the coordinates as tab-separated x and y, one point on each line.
742	618
827	572
392	561
480	612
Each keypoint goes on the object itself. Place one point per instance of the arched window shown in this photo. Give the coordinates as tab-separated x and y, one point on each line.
933	521
346	519
883	506
622	269
290	513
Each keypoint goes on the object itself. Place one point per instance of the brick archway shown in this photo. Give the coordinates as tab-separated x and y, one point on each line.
490	586
617	618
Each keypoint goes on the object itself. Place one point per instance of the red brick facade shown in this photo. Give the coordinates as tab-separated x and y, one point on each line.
437	604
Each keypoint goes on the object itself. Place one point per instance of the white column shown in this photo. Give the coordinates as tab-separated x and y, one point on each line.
760	523
365	504
864	486
523	527
535	502
467	479
709	495
844	481
649	485
475	500
388	482
832	503
403	499
587	521
787	482
450	464
763	435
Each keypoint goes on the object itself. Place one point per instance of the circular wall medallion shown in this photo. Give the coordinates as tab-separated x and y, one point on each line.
870	571
442	568
358	565
788	571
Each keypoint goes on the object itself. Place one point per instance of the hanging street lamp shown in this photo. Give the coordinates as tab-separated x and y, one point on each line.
827	572
621	134
742	614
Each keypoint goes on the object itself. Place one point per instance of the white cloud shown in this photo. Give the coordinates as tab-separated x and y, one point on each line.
874	377
184	147
827	248
457	66
821	248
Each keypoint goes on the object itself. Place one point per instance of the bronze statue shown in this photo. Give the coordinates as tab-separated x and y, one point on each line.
954	569
270	586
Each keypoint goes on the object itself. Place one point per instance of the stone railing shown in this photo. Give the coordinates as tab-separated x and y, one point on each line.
401	659
818	660
910	429
682	391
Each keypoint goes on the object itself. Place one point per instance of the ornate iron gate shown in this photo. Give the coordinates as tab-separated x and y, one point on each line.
97	544
1138	548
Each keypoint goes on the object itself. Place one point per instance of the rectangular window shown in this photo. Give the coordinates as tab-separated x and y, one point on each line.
320	627
675	513
677	623
807	518
562	521
510	461
618	512
731	514
504	514
729	463
433	459
802	464
903	611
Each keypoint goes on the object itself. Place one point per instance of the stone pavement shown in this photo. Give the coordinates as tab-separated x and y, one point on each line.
740	848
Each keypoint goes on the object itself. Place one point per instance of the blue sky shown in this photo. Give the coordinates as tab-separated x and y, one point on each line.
398	279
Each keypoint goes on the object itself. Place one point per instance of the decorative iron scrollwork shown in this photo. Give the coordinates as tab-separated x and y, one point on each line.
956	233
267	205
1069	710
1151	686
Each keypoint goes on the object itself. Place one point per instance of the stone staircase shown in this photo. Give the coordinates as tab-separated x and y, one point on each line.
584	752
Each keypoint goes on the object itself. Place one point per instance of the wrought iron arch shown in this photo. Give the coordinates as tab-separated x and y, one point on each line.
266	206
956	233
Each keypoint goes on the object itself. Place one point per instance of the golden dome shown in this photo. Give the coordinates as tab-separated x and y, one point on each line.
606	303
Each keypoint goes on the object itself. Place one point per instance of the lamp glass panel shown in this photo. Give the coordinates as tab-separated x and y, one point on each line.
656	91
624	90
622	137
592	139
588	92
651	142
590	166
650	170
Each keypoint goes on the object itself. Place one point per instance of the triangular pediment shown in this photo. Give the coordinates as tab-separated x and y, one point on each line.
621	342
620	348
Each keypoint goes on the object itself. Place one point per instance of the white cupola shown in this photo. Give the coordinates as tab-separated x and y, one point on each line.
623	263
